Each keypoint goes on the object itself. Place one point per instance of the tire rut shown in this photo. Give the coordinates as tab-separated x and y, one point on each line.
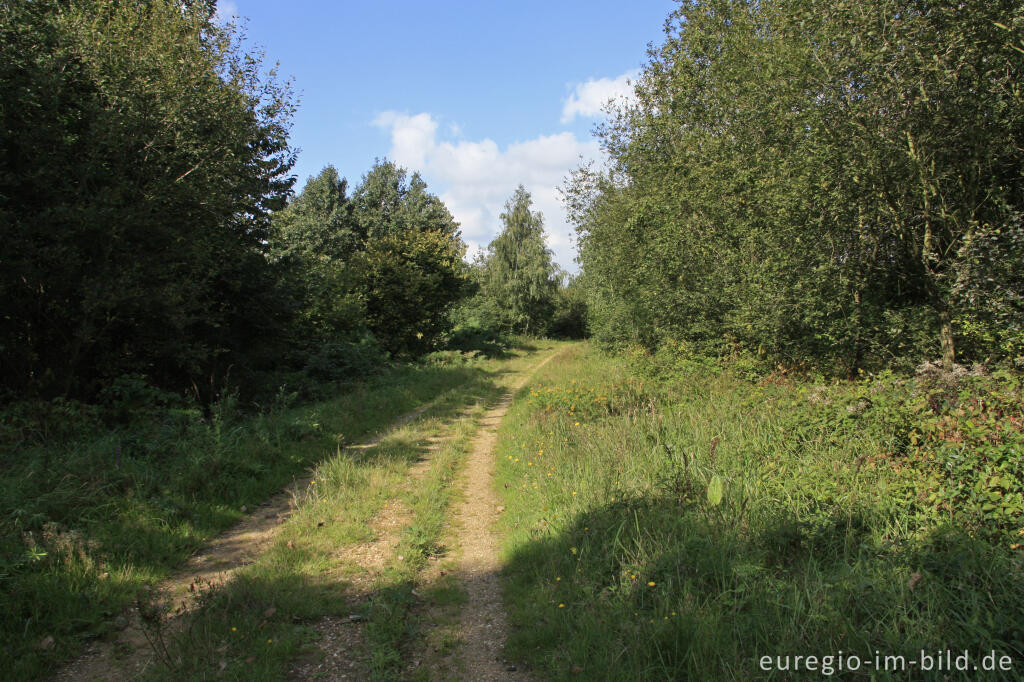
483	623
129	654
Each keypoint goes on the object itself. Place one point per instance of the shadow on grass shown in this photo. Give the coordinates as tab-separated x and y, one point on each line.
64	580
652	589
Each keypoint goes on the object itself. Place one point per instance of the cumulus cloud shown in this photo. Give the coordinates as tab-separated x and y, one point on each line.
411	136
587	99
475	178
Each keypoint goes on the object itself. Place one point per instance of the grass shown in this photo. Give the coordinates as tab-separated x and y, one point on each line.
313	570
91	515
672	519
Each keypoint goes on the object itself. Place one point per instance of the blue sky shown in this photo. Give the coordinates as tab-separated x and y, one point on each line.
476	96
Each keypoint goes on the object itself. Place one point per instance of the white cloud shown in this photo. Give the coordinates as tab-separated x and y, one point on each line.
588	99
411	136
475	178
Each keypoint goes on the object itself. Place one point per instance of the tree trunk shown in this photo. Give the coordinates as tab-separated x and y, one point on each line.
946	338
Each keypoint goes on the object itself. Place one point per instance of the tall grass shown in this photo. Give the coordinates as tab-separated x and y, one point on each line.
311	571
671	519
89	514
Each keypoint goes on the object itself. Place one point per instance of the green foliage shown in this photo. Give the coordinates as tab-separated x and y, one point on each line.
385	262
410	280
519	276
970	439
313	241
814	182
346	359
711	519
142	152
989	286
569	320
137	494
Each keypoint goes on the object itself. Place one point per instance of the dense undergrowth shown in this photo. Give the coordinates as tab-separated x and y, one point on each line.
678	518
97	501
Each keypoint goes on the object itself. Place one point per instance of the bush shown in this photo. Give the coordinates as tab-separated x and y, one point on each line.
346	360
471	337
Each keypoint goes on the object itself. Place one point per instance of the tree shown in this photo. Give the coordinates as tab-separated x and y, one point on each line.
142	152
315	240
519	272
411	270
808	180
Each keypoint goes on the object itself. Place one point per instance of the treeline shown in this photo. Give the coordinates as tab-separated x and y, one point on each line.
835	184
143	152
151	238
372	273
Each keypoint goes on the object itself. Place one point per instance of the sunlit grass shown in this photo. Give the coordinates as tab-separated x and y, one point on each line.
308	573
91	519
626	563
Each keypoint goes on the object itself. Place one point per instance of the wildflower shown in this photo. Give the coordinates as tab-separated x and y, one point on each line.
234	629
561	606
557	580
573	492
651	584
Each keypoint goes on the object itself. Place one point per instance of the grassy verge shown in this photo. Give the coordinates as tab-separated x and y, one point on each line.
90	515
260	622
679	521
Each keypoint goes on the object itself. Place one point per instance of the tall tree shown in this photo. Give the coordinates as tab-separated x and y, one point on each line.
411	270
809	179
520	274
315	241
142	151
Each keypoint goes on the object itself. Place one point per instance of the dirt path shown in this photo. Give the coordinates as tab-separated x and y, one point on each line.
480	626
483	618
128	654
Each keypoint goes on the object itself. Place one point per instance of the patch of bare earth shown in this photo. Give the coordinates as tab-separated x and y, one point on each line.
483	623
126	656
342	641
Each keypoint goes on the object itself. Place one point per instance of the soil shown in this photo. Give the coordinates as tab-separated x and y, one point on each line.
126	656
484	627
